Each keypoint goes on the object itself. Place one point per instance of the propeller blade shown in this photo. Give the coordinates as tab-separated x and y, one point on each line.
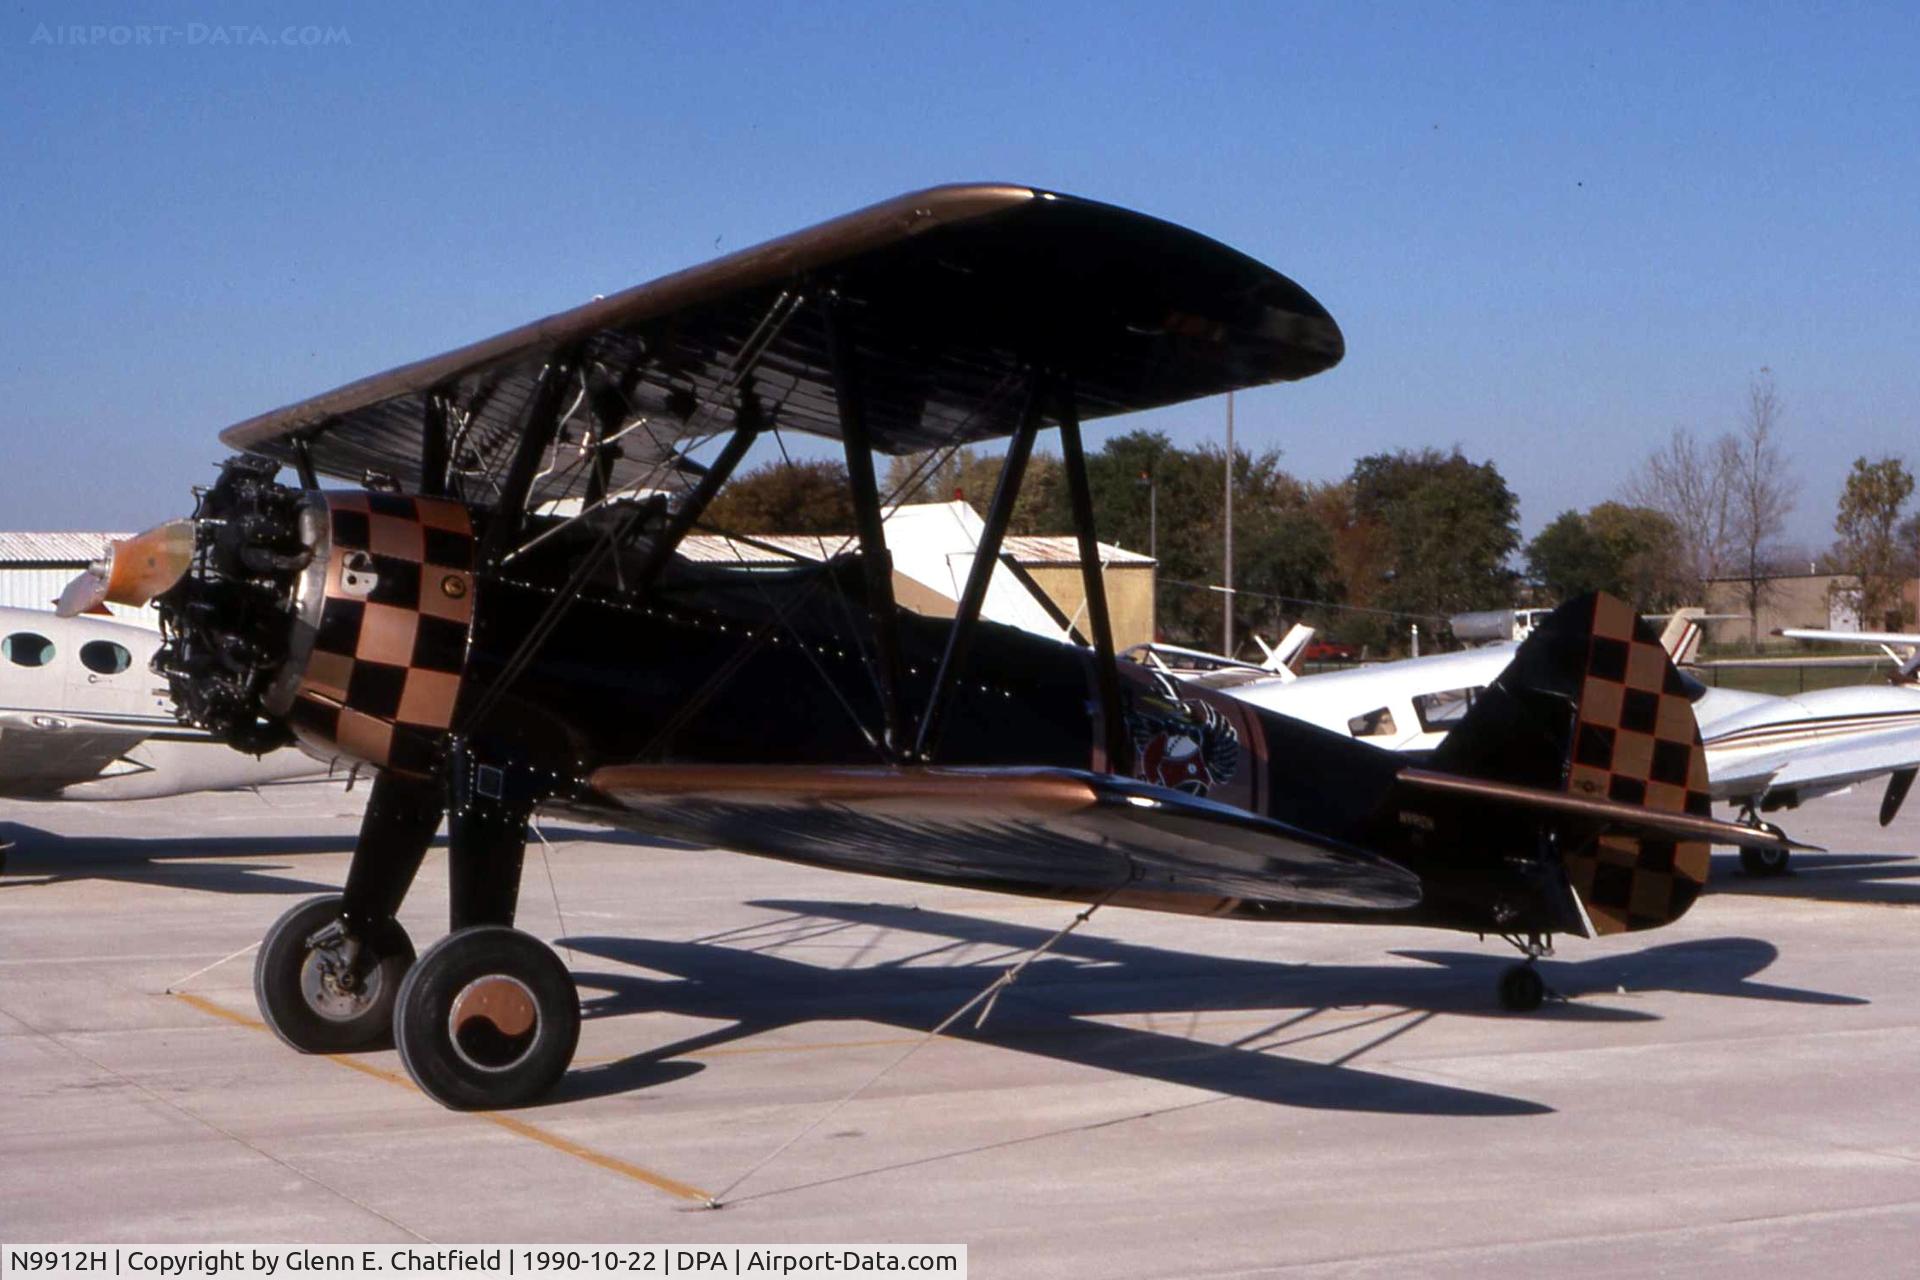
84	594
134	571
1899	782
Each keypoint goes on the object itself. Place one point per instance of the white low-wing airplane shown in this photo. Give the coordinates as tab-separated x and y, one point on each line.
1764	753
82	718
1197	666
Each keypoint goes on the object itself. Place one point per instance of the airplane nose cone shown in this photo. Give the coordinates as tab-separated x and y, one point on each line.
134	571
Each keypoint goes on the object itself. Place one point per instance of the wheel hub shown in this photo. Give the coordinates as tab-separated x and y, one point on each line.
494	1022
333	990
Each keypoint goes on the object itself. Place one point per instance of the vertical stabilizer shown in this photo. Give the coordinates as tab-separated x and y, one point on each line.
1591	705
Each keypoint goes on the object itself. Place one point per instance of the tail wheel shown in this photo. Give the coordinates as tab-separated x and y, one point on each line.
324	990
1766	860
1522	989
488	1018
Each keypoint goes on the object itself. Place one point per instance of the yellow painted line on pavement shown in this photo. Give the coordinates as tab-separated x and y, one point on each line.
546	1138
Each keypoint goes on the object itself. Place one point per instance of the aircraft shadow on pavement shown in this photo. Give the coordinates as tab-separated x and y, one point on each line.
1828	877
1056	1007
1702	966
39	857
741	977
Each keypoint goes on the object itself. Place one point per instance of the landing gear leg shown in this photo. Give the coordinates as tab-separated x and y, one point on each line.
1522	989
1767	861
327	974
489	1017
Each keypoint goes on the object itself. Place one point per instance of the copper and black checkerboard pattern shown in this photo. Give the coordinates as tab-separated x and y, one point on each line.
1636	742
385	672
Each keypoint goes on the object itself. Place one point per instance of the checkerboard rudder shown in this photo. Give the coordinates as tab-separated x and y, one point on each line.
1591	706
1636	742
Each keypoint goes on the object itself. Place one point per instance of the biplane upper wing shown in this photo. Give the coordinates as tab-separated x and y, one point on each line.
1040	830
945	298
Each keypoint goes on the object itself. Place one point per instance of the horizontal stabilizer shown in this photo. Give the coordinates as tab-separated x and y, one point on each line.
1628	819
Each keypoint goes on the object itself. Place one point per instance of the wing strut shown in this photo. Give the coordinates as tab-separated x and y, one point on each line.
874	559
694	505
537	430
616	536
303	463
985	557
1106	669
433	446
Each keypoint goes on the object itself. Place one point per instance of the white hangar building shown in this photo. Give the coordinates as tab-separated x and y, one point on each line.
35	567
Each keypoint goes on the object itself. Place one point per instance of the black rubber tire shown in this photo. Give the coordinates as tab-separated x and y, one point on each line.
1522	989
424	1034
1765	861
280	983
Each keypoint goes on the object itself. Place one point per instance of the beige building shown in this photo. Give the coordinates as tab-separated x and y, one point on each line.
1828	601
35	567
1049	565
1053	564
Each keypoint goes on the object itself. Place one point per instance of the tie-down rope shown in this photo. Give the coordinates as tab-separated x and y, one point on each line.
988	995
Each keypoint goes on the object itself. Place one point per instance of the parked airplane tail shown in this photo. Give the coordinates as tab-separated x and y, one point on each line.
1590	727
1682	635
1284	659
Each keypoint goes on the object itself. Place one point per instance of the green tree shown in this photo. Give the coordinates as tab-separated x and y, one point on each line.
1567	559
1281	547
1646	547
1442	527
1869	548
1632	552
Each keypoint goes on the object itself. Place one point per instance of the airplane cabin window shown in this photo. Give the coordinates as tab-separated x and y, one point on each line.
25	649
104	657
1374	724
1439	712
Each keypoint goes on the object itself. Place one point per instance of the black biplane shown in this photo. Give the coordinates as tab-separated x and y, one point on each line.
496	620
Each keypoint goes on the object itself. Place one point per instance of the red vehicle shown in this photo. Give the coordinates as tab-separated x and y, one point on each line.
1330	651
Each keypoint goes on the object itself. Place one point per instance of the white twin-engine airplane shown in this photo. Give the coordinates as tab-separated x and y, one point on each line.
1764	753
82	718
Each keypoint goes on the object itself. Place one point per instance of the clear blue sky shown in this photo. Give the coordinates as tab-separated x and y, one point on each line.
1551	233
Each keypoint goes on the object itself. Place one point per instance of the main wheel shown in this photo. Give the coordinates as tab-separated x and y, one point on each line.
324	991
1522	989
488	1018
1765	860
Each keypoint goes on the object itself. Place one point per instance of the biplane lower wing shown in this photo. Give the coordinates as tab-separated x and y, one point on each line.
1056	832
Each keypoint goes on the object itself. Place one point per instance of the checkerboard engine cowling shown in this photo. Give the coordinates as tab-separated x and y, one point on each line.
1636	742
385	672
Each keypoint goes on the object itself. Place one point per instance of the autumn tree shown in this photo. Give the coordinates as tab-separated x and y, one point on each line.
785	497
1868	523
1728	500
1692	486
972	477
1761	494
